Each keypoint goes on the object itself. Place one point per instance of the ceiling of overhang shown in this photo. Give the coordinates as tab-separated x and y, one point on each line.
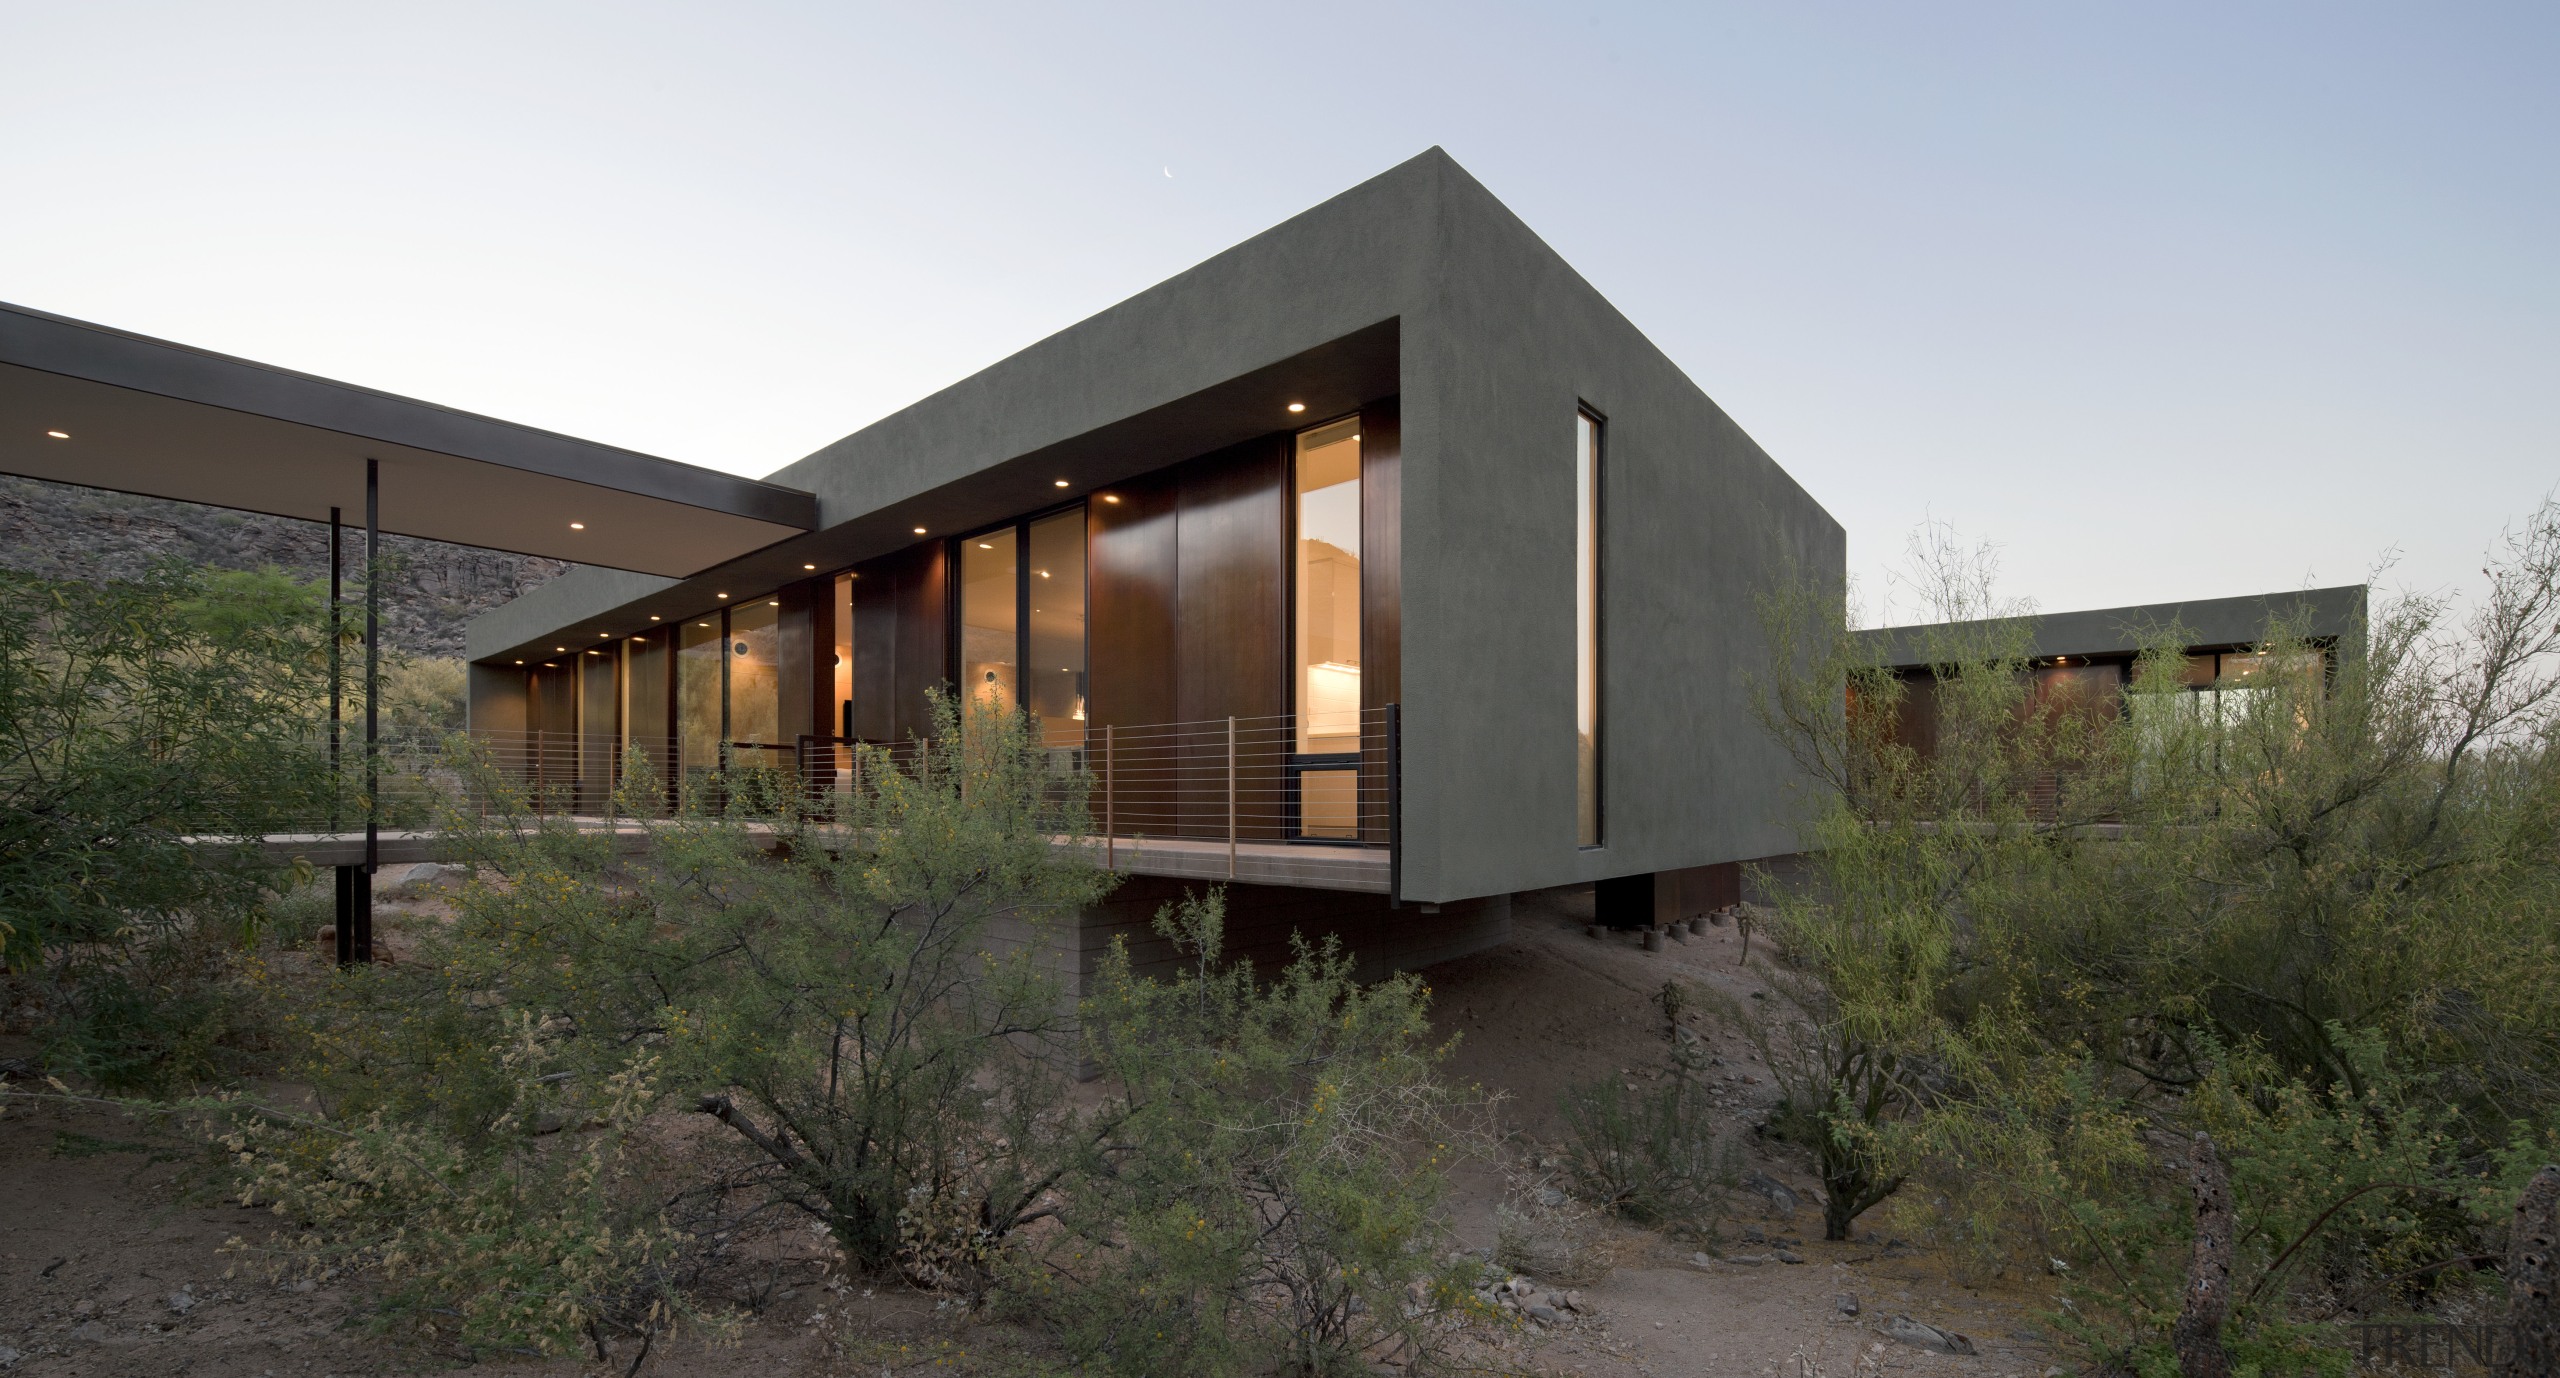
84	404
1330	379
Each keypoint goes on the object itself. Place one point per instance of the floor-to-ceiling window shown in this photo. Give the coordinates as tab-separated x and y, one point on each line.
1586	628
1053	590
990	618
644	714
755	677
699	651
1325	592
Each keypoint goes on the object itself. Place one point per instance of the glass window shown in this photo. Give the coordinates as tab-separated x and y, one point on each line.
990	585
843	724
645	698
698	700
1328	591
1054	584
755	673
1586	628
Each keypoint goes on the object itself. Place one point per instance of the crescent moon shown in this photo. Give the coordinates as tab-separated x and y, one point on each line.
1168	172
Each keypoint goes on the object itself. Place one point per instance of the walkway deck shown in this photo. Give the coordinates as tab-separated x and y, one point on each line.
1305	866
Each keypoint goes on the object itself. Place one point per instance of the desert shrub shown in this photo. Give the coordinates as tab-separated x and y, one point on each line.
1651	1156
1265	1188
2315	913
860	1000
1554	1237
519	1236
136	719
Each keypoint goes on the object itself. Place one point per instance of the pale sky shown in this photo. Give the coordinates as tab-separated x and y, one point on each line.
2166	300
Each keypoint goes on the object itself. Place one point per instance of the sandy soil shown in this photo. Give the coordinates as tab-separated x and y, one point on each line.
111	1263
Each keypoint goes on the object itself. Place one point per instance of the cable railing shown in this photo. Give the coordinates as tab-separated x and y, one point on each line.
1272	798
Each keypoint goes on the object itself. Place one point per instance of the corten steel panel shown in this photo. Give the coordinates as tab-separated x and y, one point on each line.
923	640
899	607
1381	599
797	659
1129	590
875	649
1230	628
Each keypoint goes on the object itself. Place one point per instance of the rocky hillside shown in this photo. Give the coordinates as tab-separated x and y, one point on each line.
63	532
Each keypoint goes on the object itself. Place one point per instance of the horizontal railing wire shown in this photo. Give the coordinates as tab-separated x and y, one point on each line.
1189	792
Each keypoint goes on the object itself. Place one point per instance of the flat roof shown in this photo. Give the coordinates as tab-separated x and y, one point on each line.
2238	621
103	408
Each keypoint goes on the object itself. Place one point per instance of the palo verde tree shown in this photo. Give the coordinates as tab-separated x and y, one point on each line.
2314	911
141	724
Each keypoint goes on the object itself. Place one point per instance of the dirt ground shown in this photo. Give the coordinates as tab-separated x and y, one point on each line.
112	1264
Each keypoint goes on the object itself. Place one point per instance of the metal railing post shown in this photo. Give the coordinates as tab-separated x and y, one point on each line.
1231	798
1395	809
1110	823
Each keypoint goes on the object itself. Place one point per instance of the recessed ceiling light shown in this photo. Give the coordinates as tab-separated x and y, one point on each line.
982	545
577	526
519	662
653	617
601	635
1044	574
721	595
1297	406
773	602
1110	497
559	648
1061	482
702	624
59	435
808	566
919	530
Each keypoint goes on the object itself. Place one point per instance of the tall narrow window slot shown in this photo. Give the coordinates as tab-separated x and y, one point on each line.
1586	628
1326	583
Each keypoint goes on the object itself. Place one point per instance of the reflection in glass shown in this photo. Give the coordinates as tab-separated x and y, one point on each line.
1328	591
1055	583
755	677
698	655
644	714
990	575
1586	628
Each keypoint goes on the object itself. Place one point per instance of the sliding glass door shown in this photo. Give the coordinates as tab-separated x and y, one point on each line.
1022	622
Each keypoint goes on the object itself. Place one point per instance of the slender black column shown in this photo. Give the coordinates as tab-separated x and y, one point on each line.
363	948
346	876
337	671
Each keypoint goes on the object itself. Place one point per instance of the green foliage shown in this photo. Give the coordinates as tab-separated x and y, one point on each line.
859	999
1265	1192
518	1236
425	693
1650	1156
2316	910
134	719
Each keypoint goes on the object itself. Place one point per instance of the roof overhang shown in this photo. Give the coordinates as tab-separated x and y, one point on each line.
139	415
987	485
2330	614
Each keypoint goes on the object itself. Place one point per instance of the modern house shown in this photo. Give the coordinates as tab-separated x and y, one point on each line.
1377	563
2089	657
